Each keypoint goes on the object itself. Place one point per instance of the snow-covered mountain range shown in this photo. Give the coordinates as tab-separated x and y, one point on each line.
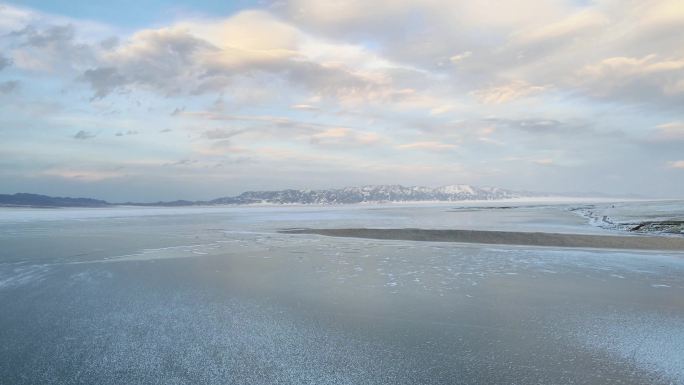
376	193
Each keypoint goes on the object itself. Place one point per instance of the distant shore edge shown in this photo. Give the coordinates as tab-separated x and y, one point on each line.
655	243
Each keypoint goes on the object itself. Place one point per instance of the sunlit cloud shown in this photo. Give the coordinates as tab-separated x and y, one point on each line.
544	162
341	136
670	131
83	175
304	107
460	57
429	145
677	164
505	93
590	88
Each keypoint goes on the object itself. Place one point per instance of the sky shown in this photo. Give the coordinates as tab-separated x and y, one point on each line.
162	100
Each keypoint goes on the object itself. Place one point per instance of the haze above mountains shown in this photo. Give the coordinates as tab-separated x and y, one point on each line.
347	195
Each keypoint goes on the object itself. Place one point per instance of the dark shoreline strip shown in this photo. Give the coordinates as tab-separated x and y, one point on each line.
506	238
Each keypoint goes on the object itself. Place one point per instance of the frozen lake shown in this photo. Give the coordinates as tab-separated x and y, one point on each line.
217	295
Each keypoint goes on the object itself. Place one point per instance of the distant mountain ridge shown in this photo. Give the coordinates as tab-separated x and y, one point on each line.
36	200
347	195
370	194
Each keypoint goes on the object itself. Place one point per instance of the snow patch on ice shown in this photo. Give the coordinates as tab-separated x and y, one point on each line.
653	342
14	276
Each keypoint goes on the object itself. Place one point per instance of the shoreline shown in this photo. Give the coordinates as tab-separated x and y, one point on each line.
625	242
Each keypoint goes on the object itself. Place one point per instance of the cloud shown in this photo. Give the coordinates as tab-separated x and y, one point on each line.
109	43
4	62
460	57
84	175
103	81
252	48
514	90
218	133
536	42
670	131
536	126
432	31
126	133
182	162
50	48
55	35
83	135
676	164
631	67
162	59
250	38
341	136
304	107
443	109
9	86
544	162
222	148
284	129
190	57
428	146
582	22
649	78
339	18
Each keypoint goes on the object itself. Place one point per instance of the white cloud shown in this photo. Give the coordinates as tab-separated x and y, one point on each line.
342	136
677	164
582	22
460	57
670	131
304	107
650	78
626	67
544	161
428	146
196	57
83	175
514	90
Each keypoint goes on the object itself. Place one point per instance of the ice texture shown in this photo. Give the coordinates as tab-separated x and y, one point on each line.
218	296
